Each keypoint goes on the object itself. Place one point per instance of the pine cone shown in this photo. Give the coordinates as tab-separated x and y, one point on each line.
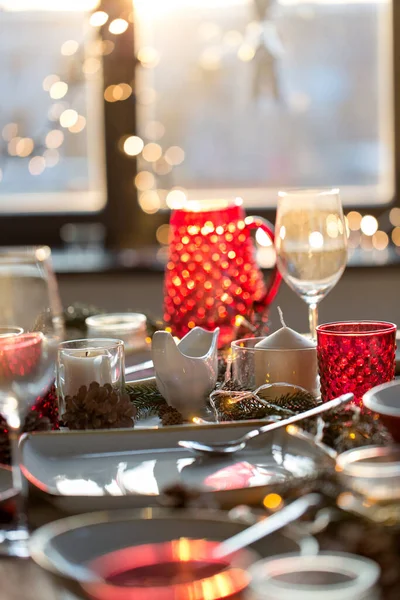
98	407
171	417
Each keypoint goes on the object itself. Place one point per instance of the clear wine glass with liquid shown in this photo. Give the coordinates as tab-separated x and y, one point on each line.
311	244
31	327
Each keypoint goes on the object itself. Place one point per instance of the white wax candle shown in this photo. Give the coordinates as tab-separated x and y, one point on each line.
82	367
288	357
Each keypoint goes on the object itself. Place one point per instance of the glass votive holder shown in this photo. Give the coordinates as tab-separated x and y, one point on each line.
6	332
355	356
82	362
327	576
128	327
253	367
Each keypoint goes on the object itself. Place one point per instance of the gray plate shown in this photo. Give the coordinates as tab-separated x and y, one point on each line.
81	471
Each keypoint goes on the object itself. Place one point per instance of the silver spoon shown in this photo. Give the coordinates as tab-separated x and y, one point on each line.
261	529
223	448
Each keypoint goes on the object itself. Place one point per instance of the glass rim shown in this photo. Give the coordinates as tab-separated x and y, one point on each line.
117	321
12	329
26	254
235	345
309	192
363	572
211	204
21	341
357	463
381	328
106	344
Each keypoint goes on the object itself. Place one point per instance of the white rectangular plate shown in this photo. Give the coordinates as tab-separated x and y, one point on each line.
81	471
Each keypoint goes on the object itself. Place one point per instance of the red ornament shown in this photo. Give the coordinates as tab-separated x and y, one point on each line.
211	275
355	356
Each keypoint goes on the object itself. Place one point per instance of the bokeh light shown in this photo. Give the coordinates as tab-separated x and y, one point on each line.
69	47
262	238
246	52
174	155
394	216
396	236
133	145
24	147
144	181
380	240
68	118
98	18
37	165
49	81
9	131
51	157
149	202
152	152
79	125
148	57
162	234
354	220
176	199
369	225
118	26
154	130
91	65
58	90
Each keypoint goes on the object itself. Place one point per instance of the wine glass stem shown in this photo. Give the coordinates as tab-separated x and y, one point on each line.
313	320
18	481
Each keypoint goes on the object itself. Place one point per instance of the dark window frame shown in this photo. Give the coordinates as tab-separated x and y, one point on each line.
127	226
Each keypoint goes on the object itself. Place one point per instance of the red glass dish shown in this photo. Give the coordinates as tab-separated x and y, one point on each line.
354	356
178	570
211	275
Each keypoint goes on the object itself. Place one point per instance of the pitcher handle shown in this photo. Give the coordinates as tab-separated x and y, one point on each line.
274	282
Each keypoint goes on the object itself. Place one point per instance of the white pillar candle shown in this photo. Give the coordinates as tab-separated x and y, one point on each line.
286	356
82	367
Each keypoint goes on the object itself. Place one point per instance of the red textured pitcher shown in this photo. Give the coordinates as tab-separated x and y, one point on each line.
211	275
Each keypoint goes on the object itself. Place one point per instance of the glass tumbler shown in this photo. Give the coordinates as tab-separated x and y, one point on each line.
355	356
327	576
82	362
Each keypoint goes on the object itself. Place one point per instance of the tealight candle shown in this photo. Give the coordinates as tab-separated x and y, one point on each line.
286	356
81	362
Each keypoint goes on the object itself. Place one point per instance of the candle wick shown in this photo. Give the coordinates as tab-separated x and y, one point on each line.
281	317
87	352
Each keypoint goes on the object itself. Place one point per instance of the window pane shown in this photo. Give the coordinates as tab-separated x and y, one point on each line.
257	95
51	151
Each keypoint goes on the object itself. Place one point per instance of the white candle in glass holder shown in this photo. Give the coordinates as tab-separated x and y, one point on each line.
82	367
286	356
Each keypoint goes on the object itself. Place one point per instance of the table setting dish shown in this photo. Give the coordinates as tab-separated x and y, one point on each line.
102	470
63	546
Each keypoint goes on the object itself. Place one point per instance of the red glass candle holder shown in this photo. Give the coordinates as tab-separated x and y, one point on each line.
354	356
211	275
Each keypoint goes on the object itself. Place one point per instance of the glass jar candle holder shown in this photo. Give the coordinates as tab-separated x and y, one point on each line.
128	327
327	576
253	367
82	362
355	356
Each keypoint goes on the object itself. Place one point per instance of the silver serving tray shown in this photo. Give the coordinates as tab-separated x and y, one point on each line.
100	470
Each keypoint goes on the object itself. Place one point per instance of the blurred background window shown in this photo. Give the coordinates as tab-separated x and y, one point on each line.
242	97
51	111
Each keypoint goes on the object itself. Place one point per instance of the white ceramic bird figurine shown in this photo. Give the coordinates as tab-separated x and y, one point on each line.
186	372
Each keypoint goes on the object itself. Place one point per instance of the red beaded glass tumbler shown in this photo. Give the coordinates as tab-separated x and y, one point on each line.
211	275
355	356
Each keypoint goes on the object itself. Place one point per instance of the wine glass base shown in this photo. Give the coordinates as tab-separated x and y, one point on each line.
14	542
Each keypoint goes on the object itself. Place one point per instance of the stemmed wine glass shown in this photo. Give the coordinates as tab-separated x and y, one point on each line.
311	244
31	326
